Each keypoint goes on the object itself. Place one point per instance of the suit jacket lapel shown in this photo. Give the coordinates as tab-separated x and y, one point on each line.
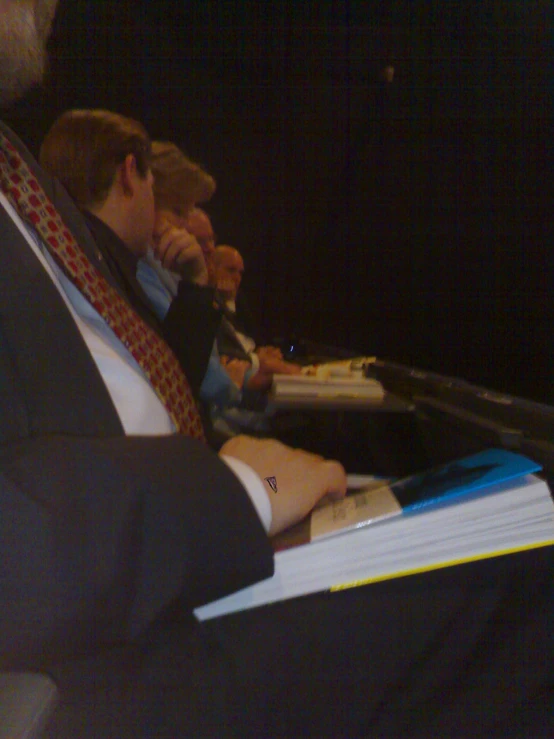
46	371
71	215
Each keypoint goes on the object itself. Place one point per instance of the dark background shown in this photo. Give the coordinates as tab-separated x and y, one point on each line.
409	219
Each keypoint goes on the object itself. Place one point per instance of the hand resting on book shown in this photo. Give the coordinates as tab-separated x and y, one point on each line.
301	478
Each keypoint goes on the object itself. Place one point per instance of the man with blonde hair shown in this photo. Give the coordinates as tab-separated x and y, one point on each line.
181	183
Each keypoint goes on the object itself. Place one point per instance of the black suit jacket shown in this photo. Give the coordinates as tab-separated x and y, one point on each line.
98	532
228	342
192	320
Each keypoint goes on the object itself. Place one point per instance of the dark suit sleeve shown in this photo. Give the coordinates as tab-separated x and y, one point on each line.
97	537
227	341
247	320
190	327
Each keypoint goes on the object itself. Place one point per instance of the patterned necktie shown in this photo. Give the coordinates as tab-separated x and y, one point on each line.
150	351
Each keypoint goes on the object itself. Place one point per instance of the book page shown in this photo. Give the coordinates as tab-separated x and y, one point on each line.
354	511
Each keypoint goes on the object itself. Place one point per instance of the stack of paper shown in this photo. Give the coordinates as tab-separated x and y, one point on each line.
340	368
304	386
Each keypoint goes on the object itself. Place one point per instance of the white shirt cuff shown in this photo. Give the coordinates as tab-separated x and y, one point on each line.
253	486
255	362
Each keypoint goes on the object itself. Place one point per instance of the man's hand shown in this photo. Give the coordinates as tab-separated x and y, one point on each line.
271	360
236	368
272	365
261	381
269	352
179	251
301	478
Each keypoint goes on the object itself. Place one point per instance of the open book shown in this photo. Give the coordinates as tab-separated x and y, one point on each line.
481	506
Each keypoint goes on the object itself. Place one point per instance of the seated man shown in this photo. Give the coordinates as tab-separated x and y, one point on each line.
236	347
264	360
115	202
113	527
111	510
228	271
115	195
179	183
232	339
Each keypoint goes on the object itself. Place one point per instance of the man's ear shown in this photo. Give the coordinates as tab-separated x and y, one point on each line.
126	174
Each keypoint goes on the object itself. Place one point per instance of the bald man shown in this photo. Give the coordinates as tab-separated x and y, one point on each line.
198	223
228	266
233	339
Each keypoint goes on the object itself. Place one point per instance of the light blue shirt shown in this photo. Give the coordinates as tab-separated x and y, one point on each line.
160	286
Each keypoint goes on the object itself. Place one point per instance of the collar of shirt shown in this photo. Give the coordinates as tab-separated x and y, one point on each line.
122	264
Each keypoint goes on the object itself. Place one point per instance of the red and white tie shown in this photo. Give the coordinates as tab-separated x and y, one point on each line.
150	351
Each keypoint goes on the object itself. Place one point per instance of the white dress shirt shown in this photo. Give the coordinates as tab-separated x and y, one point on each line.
140	410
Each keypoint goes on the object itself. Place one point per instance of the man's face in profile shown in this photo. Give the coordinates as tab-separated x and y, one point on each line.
24	30
199	225
229	269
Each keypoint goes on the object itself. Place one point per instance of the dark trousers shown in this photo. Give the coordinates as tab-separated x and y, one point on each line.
461	652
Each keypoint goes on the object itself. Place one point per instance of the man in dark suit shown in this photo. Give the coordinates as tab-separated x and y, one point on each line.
76	408
105	161
108	538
